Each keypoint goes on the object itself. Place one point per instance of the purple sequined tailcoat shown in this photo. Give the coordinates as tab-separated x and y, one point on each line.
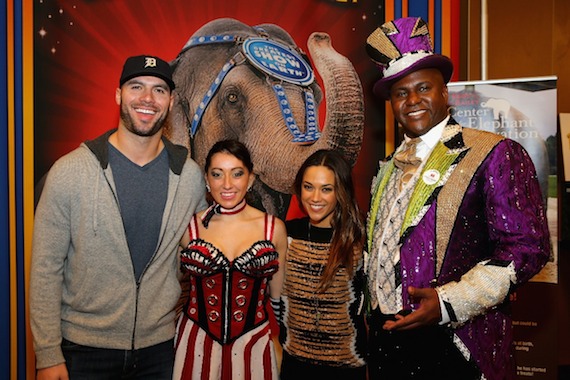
500	217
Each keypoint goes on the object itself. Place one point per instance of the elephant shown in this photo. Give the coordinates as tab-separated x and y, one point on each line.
500	107
241	103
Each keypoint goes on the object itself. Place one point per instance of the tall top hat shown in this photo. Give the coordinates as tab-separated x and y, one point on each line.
400	47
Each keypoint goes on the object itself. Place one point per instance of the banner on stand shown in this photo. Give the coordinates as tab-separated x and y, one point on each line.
524	110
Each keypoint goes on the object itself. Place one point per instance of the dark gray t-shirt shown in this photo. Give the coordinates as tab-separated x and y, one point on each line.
142	193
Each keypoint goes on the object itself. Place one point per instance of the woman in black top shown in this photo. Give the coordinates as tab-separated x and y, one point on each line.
322	332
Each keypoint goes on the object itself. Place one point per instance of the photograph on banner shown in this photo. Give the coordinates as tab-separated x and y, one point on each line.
79	48
259	68
523	110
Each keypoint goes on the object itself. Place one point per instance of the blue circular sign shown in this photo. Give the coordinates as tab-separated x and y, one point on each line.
278	61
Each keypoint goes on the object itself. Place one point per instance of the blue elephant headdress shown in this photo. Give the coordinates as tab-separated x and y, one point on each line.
279	62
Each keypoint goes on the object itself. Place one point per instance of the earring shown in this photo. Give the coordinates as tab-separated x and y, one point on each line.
208	188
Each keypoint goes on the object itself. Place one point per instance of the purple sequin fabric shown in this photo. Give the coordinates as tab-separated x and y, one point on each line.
501	222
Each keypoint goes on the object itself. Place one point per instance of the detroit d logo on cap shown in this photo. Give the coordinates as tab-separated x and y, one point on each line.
150	62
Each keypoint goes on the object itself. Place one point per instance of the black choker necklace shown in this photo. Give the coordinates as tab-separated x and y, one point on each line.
216	208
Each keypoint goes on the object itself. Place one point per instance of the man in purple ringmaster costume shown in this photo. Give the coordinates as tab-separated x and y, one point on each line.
456	223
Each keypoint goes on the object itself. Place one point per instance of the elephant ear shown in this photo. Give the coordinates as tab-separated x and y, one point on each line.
180	115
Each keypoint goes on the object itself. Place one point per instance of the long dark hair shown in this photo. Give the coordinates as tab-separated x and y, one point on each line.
347	222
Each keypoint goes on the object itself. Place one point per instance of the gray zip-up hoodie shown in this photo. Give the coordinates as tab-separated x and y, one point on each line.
82	282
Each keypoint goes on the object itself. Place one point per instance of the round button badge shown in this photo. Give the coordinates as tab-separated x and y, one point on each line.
431	176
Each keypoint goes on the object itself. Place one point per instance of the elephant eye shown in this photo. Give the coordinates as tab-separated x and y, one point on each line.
232	98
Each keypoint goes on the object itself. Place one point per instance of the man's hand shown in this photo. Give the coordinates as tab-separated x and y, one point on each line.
427	314
57	372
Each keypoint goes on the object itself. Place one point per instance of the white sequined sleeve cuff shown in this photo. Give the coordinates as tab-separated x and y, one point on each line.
484	286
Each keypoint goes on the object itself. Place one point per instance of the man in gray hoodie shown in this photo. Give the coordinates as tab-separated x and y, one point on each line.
104	277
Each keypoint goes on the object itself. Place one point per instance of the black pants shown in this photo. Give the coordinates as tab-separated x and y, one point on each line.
89	363
295	369
424	353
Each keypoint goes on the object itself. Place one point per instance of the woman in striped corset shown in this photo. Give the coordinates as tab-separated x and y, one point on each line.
323	333
233	254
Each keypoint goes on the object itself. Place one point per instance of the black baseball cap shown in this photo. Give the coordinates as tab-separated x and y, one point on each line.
143	65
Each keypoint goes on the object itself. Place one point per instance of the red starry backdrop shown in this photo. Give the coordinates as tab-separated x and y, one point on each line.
80	46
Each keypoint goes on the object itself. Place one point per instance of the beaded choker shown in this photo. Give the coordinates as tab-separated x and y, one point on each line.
216	208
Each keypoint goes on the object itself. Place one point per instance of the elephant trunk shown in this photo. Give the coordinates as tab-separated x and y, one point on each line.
344	125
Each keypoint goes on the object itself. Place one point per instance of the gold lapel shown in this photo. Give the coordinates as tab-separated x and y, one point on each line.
440	164
480	144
